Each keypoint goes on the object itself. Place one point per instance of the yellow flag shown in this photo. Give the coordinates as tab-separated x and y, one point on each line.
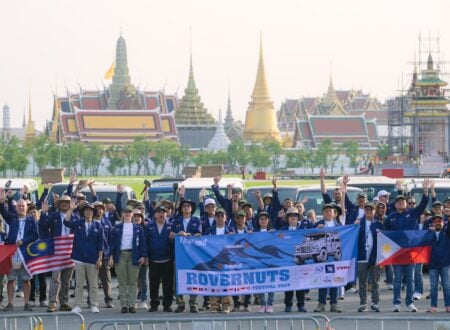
110	72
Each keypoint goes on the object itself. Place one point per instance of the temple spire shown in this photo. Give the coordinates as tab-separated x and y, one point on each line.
30	131
191	110
331	92
121	78
430	62
24	121
220	140
260	121
229	115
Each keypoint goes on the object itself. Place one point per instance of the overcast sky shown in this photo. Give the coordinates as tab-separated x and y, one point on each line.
63	44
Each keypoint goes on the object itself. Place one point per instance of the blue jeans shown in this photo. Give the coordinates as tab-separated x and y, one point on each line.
262	298
418	278
389	274
323	295
407	272
434	283
142	283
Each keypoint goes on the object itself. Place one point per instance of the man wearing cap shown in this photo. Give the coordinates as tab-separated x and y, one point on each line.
406	219
160	248
367	254
220	228
439	265
292	218
87	252
110	211
185	224
208	218
138	219
354	211
328	221
337	193
281	220
52	225
233	194
383	196
22	231
105	270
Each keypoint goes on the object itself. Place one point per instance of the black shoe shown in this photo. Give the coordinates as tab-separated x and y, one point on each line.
131	310
168	309
179	309
124	310
153	309
194	309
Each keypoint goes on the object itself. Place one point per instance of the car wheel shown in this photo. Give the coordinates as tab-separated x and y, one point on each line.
338	254
300	260
322	256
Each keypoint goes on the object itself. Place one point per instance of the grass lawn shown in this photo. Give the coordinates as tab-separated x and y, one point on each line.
137	182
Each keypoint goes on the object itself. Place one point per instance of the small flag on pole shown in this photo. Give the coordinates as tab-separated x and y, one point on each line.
110	72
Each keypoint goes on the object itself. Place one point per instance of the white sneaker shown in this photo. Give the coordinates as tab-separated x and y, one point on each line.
417	296
43	303
390	287
94	309
76	309
352	290
19	294
142	305
396	308
32	303
412	308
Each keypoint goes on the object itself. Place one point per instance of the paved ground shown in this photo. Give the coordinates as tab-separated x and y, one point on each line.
350	305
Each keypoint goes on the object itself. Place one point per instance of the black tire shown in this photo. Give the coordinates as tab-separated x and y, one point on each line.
338	254
322	256
300	261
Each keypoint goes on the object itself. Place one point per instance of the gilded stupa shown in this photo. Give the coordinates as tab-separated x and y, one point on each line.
191	110
30	133
260	121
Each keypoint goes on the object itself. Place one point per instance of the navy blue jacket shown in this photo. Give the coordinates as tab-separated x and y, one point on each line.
160	247
50	225
194	225
30	232
362	240
407	220
107	229
440	250
226	203
205	223
322	222
86	248
138	249
213	230
352	211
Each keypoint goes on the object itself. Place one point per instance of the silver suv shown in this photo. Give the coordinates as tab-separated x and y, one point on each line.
319	246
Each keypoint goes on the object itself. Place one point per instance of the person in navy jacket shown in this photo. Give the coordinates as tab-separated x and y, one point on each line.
367	254
439	265
127	250
160	249
292	218
105	271
208	219
22	231
406	219
329	220
87	253
185	224
51	225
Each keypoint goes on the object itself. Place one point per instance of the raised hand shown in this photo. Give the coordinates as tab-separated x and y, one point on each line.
120	188
2	195
345	179
181	191
257	194
73	177
44	206
274	182
322	173
216	180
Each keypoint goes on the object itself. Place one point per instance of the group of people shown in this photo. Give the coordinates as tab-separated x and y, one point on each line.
137	239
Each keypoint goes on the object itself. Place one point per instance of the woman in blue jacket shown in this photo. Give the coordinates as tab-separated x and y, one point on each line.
128	251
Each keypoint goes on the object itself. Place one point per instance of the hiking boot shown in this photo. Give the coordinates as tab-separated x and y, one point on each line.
65	308
9	307
362	308
193	309
320	308
334	308
375	308
51	308
27	308
179	309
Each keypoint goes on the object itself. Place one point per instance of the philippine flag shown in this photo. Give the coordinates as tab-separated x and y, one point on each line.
403	247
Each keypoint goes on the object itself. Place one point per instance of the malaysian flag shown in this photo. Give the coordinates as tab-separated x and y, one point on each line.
46	255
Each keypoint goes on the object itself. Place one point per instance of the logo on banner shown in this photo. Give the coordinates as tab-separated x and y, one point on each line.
329	269
319	269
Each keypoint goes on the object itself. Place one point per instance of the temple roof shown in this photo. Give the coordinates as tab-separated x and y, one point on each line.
191	110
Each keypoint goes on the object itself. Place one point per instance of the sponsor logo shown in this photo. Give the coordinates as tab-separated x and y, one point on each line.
327	279
315	280
318	269
306	270
329	269
343	267
339	279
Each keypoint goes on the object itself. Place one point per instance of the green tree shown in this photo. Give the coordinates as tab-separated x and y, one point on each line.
129	156
116	159
203	157
382	151
40	150
351	150
92	158
260	157
275	150
326	154
141	150
179	157
164	149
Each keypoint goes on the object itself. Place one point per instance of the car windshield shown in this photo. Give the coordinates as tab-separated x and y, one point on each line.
192	194
372	189
283	193
313	200
100	194
441	195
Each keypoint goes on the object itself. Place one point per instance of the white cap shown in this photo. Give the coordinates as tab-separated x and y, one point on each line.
382	193
376	199
209	201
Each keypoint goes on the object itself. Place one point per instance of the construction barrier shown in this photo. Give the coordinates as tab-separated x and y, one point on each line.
390	322
218	322
39	321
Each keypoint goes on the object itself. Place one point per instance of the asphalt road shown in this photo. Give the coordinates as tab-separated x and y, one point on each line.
352	318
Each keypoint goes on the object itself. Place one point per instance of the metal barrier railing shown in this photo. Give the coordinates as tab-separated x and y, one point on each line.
398	322
38	321
217	322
